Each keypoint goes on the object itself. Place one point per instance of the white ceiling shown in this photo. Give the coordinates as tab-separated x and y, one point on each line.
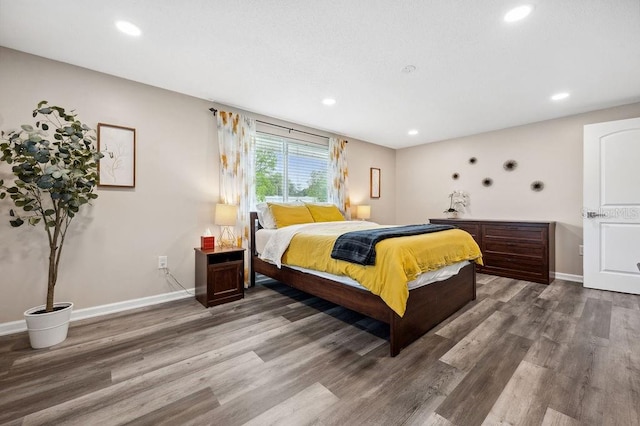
474	72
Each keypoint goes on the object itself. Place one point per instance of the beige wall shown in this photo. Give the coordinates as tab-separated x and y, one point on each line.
111	250
363	156
549	151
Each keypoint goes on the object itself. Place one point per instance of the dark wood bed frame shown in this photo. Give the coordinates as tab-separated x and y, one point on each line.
427	305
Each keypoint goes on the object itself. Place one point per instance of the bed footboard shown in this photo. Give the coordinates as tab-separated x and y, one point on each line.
429	305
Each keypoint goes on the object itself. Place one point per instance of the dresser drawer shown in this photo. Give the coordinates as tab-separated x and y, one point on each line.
514	232
536	276
506	247
514	262
472	228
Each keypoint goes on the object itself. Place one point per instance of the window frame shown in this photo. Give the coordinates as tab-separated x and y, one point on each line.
287	143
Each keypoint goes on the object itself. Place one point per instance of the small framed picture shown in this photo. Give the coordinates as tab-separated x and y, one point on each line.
118	166
374	176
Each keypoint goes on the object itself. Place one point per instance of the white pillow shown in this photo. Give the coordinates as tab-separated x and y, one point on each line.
265	217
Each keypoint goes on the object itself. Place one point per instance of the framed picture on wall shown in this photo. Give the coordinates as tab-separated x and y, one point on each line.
118	166
374	176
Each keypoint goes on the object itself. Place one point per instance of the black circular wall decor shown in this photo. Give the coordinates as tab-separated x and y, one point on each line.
537	186
510	165
455	176
487	182
473	160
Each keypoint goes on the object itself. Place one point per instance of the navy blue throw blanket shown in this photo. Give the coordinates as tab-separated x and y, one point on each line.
360	246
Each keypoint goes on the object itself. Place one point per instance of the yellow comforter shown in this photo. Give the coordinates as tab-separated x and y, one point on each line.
398	260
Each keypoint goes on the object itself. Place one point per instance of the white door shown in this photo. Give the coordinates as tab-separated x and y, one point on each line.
611	213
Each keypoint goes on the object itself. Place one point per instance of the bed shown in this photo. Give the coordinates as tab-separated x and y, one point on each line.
426	306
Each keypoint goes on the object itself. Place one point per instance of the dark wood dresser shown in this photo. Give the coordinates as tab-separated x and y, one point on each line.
522	250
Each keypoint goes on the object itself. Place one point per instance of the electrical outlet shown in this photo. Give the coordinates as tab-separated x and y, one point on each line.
581	250
162	262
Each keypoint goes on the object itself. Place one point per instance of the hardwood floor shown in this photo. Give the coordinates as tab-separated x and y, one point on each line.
522	354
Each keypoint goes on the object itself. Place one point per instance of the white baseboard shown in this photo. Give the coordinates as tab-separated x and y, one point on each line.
569	277
80	314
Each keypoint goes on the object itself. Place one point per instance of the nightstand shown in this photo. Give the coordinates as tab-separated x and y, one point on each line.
219	275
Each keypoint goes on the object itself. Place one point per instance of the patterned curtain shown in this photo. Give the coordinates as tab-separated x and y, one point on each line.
339	175
236	139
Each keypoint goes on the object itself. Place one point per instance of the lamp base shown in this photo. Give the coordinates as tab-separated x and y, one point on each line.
227	239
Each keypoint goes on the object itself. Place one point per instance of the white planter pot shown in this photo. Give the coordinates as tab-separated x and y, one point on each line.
48	328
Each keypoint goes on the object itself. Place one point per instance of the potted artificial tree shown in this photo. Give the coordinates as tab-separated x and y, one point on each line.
54	178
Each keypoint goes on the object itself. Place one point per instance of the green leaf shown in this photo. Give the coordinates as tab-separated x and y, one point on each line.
49	212
45	182
42	156
16	223
34	220
27	128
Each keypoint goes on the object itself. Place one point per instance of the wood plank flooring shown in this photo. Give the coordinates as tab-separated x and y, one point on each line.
522	354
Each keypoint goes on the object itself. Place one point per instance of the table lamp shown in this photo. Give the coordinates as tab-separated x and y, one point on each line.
363	212
226	217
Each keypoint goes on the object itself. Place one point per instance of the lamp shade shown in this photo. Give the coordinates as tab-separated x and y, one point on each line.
363	212
226	214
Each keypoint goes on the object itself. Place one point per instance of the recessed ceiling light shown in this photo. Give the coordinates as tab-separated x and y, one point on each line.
329	101
412	132
128	28
560	96
518	13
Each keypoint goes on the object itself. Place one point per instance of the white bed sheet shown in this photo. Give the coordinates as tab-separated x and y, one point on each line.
263	236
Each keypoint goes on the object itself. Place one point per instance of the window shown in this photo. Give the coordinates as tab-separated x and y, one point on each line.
290	170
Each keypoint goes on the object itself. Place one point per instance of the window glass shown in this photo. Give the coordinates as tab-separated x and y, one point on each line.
290	170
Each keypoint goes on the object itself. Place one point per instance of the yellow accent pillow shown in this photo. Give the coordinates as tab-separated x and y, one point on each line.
286	215
325	213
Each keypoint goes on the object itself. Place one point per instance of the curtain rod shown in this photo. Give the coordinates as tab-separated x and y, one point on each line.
215	111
